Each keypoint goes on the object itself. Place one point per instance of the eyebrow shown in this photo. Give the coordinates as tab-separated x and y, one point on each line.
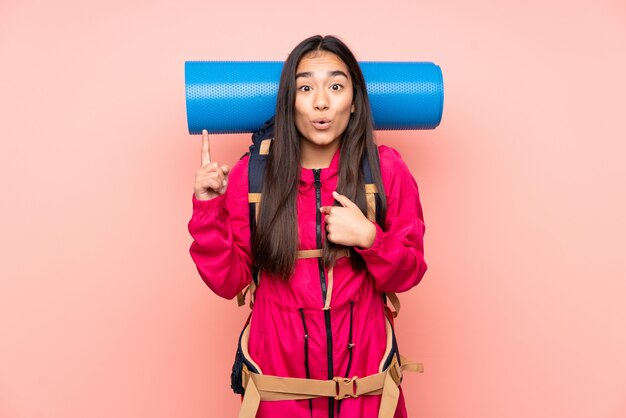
330	74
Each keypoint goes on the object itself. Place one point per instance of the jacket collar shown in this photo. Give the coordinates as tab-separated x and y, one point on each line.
306	174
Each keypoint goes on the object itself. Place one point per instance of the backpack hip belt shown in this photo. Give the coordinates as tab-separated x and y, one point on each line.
260	387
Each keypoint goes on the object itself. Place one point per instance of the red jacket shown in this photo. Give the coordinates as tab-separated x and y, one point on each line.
395	263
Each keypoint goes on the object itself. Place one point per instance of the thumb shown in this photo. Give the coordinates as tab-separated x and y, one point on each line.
344	201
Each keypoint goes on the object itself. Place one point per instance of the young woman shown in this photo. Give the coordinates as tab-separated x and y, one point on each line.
314	317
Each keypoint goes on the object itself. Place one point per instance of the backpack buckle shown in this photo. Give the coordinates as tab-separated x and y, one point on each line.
345	388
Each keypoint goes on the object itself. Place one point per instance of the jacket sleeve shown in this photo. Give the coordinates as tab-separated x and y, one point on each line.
396	259
220	228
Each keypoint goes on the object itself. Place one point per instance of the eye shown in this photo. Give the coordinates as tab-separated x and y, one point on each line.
336	87
304	88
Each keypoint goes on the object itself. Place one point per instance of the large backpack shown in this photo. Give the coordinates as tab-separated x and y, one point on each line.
247	378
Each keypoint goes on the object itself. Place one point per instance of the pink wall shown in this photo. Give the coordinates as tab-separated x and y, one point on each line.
523	310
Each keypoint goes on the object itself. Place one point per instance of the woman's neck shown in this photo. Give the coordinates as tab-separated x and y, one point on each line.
317	156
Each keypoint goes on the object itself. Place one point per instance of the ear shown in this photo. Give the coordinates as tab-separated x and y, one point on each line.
352	108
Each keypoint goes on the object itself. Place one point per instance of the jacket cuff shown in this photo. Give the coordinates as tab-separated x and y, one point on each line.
376	247
208	205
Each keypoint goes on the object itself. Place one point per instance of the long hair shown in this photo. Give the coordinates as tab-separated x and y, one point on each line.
275	243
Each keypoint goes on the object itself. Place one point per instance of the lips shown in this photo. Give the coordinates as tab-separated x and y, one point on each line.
321	124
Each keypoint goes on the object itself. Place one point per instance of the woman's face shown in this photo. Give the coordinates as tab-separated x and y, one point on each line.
323	98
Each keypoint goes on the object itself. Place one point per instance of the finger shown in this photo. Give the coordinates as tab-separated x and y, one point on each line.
213	173
215	184
224	186
218	175
344	201
208	178
225	169
210	169
206	148
326	209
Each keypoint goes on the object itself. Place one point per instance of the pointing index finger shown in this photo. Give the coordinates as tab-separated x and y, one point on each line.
205	157
343	200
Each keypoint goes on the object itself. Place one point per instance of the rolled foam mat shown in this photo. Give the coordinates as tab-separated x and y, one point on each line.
239	96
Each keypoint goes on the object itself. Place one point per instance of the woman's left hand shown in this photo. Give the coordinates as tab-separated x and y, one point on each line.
346	224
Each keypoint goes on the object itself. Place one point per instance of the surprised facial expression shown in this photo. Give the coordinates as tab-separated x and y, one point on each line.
323	99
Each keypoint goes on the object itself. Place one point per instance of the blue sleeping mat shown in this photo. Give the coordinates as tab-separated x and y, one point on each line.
239	96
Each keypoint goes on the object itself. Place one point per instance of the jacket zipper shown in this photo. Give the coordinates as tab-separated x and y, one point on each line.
320	264
318	228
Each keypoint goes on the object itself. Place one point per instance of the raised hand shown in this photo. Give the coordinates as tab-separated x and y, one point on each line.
211	179
346	224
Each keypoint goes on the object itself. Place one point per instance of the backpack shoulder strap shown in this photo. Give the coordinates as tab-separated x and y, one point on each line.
259	150
373	201
371	191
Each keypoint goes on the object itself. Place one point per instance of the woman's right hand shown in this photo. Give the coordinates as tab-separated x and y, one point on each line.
211	179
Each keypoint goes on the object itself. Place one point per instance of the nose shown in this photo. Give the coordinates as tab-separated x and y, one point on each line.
320	101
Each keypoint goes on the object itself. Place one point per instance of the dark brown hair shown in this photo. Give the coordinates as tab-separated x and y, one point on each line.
275	243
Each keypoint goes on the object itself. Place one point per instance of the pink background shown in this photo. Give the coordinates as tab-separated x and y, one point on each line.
523	310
